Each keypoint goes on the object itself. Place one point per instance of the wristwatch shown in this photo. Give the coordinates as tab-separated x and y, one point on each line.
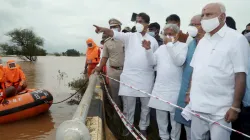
236	109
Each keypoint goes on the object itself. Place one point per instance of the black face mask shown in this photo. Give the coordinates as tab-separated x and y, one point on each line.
12	65
89	45
247	31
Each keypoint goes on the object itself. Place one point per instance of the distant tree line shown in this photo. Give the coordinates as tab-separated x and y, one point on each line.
69	52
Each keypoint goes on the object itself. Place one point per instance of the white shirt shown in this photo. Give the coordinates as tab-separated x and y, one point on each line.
216	60
189	39
169	60
137	71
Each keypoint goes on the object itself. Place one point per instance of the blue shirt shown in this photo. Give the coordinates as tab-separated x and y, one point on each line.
246	99
186	77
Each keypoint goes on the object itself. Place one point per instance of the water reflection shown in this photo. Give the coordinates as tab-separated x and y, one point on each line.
28	129
43	74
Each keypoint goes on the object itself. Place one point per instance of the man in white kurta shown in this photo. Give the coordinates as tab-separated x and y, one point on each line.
219	75
137	71
169	59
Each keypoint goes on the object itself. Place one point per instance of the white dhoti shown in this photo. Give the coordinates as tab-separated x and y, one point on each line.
129	104
200	128
162	121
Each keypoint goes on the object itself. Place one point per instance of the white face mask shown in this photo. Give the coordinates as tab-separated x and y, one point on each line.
192	31
139	27
171	37
209	25
116	29
152	34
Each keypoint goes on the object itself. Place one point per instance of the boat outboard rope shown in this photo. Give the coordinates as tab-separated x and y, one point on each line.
71	95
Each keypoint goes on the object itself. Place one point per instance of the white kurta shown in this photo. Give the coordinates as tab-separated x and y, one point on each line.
169	60
137	71
216	60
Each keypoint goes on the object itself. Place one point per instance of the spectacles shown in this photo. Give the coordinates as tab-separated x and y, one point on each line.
90	45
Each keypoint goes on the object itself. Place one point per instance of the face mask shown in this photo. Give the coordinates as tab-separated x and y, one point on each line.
210	24
192	31
116	29
90	45
139	27
172	38
12	65
152	34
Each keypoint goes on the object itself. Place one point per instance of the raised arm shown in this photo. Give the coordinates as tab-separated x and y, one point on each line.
149	52
124	37
106	31
178	53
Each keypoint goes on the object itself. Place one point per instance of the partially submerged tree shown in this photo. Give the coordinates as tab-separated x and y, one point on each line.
28	42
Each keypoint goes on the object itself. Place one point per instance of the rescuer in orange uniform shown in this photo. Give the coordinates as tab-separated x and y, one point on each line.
2	83
92	56
15	78
4	93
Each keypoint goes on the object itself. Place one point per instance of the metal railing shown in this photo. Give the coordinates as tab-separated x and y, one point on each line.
76	129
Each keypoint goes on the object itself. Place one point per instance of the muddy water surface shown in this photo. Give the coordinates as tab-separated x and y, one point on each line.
44	74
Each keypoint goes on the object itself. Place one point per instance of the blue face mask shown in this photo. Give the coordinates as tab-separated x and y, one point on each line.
152	34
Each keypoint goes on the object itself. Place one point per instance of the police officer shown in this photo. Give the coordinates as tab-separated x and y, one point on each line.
114	52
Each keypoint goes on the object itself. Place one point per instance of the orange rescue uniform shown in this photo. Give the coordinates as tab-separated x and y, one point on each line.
14	76
2	83
92	56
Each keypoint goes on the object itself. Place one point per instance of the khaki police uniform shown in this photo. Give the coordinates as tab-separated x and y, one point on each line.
114	51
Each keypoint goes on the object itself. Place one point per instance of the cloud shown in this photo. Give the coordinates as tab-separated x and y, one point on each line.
66	24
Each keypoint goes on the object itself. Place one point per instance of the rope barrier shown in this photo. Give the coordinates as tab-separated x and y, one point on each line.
127	124
71	95
176	106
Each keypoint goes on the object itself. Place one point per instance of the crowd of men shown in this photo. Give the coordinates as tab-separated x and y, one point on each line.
204	71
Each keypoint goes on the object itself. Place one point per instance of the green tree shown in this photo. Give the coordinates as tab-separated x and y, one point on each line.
9	50
57	54
28	42
72	52
41	52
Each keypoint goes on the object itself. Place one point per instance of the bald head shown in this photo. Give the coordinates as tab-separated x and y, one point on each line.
196	20
213	10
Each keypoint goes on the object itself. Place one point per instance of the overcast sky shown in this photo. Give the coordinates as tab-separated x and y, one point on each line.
67	24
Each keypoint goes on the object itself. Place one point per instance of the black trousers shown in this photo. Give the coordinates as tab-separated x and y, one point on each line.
245	121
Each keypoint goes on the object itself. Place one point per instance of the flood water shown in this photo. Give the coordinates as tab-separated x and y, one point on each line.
44	74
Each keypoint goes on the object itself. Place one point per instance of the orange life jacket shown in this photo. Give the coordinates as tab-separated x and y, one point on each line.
93	53
14	76
2	83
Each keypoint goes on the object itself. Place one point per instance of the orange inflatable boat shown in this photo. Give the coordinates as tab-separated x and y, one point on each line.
28	104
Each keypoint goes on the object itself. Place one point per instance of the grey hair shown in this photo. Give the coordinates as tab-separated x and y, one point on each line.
222	7
174	27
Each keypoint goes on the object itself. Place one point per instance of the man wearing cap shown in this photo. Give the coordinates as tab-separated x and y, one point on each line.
126	29
114	52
